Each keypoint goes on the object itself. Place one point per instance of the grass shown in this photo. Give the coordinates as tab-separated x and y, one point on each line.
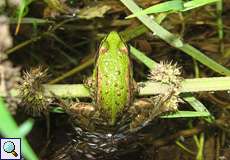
9	128
173	6
175	41
21	11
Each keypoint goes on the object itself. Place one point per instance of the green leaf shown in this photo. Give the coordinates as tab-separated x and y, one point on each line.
198	106
197	3
174	5
30	20
186	114
22	11
26	127
175	41
57	110
9	129
143	58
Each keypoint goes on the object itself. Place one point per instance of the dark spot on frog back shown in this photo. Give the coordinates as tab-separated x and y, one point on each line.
117	103
116	85
121	87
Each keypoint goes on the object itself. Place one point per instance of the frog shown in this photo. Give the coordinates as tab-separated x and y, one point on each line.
114	111
113	89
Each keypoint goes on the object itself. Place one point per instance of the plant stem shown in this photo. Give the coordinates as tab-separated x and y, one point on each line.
73	71
189	85
150	88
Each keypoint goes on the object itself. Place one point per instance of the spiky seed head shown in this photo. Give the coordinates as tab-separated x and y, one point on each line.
166	73
32	91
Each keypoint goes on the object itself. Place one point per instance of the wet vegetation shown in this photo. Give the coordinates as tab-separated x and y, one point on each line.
180	57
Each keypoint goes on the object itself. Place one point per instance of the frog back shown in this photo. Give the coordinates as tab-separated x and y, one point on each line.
113	80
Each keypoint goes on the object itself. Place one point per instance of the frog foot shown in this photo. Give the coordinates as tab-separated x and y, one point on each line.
83	109
81	114
140	113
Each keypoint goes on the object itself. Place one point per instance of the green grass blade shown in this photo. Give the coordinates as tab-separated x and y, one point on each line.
197	3
202	58
143	58
21	12
174	40
186	114
30	20
57	110
9	129
198	106
174	5
26	127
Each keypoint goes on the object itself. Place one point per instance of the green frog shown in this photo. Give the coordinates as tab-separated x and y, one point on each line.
113	90
109	124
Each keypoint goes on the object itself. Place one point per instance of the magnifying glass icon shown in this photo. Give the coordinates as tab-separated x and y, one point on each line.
9	147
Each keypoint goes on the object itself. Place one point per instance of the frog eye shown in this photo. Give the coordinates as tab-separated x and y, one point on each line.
124	49
103	49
